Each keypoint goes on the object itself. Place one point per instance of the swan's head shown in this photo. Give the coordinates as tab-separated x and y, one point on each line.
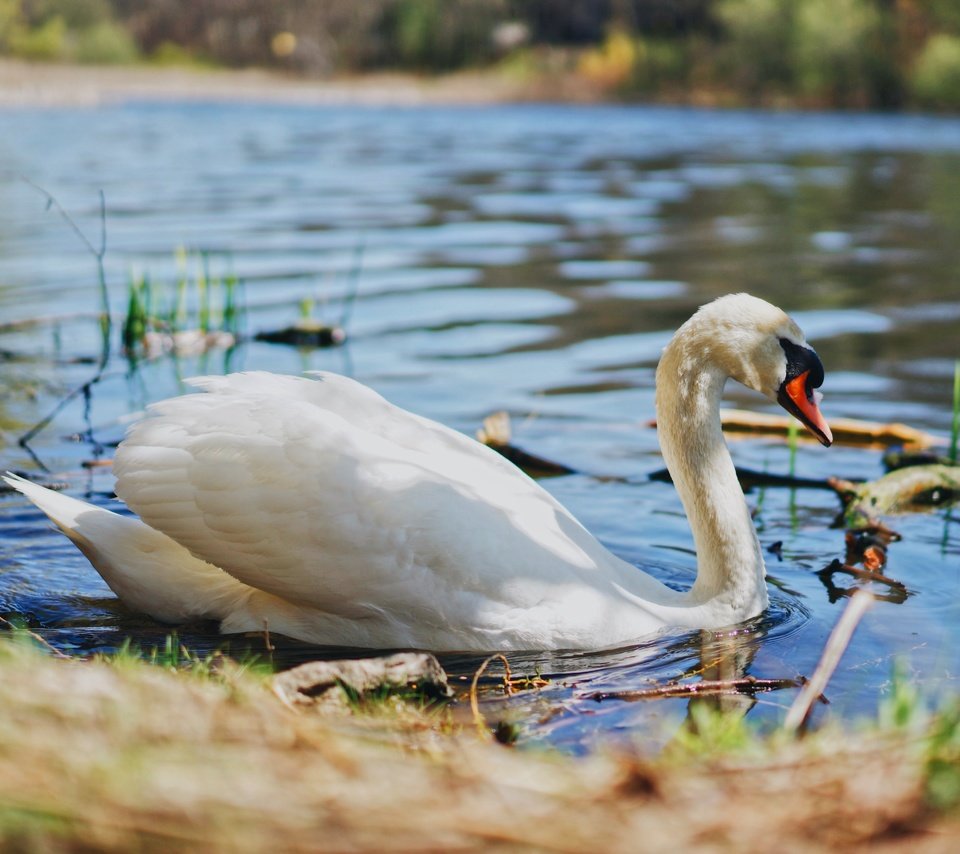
760	346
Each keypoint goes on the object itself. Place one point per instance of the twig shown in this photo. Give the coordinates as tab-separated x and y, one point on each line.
474	703
266	637
85	390
708	687
105	320
864	574
835	647
33	636
53	203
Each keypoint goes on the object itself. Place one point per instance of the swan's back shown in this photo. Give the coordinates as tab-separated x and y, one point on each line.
321	492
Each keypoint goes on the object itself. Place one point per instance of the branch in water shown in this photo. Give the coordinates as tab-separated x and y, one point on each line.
750	685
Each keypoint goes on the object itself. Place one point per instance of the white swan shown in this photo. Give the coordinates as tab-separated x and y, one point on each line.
320	510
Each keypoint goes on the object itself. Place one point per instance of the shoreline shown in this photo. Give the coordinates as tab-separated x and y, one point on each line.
45	85
48	85
206	755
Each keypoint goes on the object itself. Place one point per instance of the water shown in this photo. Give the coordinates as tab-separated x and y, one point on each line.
533	259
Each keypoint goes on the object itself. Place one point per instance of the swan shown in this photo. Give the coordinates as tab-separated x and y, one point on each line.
315	508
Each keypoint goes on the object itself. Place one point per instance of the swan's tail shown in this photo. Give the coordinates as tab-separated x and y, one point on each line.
150	572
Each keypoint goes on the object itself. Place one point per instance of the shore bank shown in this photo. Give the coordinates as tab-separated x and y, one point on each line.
24	84
130	756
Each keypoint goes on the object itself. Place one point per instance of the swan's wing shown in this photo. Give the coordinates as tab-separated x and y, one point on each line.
323	493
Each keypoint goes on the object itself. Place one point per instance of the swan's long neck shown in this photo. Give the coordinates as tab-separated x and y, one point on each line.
730	570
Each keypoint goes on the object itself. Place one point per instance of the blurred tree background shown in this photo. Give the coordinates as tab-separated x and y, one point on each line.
869	54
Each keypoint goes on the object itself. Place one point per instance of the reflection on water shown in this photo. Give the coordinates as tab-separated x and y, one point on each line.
534	259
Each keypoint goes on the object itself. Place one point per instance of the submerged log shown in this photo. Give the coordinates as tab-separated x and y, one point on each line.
305	333
846	430
750	478
496	434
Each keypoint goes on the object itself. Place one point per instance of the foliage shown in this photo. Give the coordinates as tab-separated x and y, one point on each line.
709	731
46	41
905	712
76	14
660	65
174	656
10	21
943	758
833	43
170	54
611	64
758	47
846	53
65	30
629	64
935	78
105	43
905	709
437	35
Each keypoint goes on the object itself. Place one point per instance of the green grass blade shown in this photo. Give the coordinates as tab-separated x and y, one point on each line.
203	294
230	303
955	423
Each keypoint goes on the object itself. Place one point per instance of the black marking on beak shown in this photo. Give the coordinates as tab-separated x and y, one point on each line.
804	374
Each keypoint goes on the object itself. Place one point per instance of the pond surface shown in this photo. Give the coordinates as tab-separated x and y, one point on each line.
533	259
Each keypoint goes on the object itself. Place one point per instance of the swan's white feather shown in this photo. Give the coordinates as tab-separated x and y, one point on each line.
322	493
317	509
148	570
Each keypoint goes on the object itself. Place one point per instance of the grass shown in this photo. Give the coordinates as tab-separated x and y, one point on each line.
793	432
133	754
176	657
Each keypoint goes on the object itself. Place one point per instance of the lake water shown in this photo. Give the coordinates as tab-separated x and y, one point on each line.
527	258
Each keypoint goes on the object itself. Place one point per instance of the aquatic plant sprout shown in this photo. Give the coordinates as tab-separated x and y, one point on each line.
205	302
955	421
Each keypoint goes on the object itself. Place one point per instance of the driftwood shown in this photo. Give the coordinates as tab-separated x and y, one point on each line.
846	430
836	645
334	685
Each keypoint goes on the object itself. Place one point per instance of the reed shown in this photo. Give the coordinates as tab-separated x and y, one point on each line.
199	299
955	421
793	432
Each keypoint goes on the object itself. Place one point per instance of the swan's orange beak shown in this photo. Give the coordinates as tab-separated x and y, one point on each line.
797	398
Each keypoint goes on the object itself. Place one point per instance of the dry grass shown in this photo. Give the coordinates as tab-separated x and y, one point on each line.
107	757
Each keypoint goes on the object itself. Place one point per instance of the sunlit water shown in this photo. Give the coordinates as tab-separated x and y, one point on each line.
533	259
